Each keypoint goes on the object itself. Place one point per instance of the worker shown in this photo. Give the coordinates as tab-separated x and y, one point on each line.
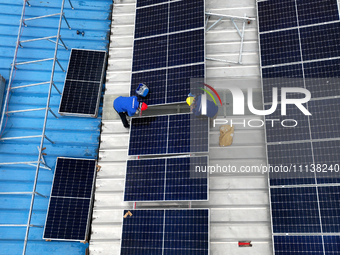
128	106
195	103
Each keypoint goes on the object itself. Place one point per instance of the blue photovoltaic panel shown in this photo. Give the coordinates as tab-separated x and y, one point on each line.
281	76
142	3
180	82
70	200
170	45
145	180
186	48
317	11
322	78
329	198
186	232
302	245
186	15
74	178
86	65
167	179
188	133
326	153
183	181
156	82
143	232
151	21
150	53
80	97
276	132
332	245
280	47
166	232
276	14
148	135
295	210
289	155
325	119
67	218
318	42
83	83
169	134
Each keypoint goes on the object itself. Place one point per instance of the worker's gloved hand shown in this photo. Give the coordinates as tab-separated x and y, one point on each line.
137	112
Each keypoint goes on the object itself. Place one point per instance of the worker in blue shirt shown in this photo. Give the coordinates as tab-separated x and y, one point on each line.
196	106
128	106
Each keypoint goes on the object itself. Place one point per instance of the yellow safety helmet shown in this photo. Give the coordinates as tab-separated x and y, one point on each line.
190	100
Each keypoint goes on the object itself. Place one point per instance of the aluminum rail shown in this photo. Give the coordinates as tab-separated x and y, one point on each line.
44	127
13	65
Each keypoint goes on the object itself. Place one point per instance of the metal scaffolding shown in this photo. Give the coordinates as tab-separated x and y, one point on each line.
40	163
241	34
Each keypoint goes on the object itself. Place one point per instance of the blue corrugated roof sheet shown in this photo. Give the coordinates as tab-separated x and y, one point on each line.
73	137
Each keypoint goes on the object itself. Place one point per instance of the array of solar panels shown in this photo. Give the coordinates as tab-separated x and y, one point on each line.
165	232
167	179
169	134
82	88
168	48
299	43
70	201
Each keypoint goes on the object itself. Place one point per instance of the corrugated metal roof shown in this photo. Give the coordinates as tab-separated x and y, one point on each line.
73	137
239	202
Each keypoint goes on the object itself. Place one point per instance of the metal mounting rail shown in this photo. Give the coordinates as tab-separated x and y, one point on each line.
241	34
40	162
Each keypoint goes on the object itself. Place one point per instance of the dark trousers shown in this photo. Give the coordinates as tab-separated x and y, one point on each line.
122	116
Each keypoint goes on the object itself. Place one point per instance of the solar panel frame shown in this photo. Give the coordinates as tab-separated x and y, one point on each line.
205	209
64	113
164	194
177	153
91	200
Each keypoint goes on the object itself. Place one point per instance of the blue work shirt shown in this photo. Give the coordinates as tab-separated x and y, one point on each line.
126	104
212	108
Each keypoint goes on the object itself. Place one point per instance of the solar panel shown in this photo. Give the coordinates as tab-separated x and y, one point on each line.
278	14
185	15
70	202
331	244
144	3
299	48
295	210
169	134
276	132
290	155
326	154
167	179
67	219
329	198
166	232
316	11
280	47
86	65
322	78
150	53
82	88
151	21
320	42
168	35
325	120
180	82
186	48
303	245
281	76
